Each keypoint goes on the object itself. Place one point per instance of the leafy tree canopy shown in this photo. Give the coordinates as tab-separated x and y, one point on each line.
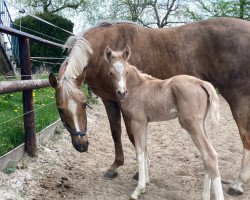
219	8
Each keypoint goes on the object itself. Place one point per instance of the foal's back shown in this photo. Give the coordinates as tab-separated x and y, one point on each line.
181	96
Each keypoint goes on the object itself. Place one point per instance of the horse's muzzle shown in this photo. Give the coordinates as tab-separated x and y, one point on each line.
122	95
81	147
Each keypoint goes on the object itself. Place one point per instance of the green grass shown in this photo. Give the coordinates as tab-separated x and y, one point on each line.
11	112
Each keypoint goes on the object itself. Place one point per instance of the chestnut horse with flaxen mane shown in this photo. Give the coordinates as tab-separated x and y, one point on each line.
215	50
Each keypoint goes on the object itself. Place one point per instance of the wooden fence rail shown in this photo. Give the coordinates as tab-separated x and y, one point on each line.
22	85
26	85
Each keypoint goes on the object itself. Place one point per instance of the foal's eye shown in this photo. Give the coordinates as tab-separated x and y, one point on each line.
110	73
60	110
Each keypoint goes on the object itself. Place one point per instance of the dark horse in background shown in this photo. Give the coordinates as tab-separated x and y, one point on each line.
215	50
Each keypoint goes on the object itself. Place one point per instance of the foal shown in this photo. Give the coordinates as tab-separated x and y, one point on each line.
144	99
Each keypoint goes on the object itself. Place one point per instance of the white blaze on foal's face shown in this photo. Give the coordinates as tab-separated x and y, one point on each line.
119	67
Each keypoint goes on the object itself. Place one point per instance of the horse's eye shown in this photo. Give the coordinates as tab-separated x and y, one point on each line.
60	110
110	73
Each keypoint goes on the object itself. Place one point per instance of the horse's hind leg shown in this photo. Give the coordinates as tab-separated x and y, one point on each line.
114	116
209	156
241	113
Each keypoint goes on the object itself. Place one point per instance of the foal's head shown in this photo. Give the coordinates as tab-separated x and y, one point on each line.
71	106
118	69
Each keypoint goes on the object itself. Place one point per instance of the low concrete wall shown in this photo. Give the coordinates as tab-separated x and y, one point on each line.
17	153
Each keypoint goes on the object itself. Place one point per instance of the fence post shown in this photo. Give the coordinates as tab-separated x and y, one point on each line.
29	119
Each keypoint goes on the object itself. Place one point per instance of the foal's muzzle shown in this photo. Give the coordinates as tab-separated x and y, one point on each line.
122	94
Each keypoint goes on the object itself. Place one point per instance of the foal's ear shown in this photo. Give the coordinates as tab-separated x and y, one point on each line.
108	53
126	52
52	80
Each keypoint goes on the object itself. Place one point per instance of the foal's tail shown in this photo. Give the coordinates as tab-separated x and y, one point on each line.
213	109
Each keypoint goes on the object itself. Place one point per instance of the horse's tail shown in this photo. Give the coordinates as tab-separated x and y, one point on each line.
70	43
213	109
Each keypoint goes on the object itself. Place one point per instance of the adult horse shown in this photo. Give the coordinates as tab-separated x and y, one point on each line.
215	50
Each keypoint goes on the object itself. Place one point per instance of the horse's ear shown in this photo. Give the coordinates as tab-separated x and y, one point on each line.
108	53
52	80
126	52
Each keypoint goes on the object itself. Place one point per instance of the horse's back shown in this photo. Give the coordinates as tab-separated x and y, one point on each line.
216	50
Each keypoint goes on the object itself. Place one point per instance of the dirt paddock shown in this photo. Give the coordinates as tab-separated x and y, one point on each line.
176	170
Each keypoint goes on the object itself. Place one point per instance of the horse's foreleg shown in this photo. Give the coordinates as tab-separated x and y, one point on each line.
114	116
139	130
241	114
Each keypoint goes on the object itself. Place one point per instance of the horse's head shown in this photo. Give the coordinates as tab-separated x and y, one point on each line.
118	69
71	104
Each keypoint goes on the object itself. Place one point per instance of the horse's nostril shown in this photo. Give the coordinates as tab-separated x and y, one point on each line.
122	92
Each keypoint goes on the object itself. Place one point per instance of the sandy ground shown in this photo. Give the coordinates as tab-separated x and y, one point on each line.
176	169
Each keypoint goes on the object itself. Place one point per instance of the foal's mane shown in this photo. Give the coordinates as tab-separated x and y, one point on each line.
141	74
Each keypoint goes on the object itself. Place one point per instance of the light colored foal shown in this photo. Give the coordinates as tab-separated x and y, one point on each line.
144	99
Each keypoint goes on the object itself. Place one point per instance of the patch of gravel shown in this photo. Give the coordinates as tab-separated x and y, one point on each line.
176	169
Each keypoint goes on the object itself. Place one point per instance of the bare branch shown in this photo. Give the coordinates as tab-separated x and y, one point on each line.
164	21
74	6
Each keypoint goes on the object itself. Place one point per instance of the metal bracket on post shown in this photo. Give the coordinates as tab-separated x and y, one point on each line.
28	108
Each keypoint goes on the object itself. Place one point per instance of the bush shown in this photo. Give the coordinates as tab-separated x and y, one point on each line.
40	50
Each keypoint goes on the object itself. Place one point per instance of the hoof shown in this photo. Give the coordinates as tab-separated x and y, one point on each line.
110	174
136	176
235	189
133	197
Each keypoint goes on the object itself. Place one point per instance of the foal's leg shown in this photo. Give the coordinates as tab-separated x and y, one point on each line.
114	116
127	122
241	113
209	156
139	129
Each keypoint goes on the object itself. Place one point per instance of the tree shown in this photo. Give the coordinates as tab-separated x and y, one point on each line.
53	6
170	12
219	8
29	25
149	13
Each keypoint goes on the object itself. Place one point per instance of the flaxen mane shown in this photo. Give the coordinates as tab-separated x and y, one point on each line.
76	62
141	74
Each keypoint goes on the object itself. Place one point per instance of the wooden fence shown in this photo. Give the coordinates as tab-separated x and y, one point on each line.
26	85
